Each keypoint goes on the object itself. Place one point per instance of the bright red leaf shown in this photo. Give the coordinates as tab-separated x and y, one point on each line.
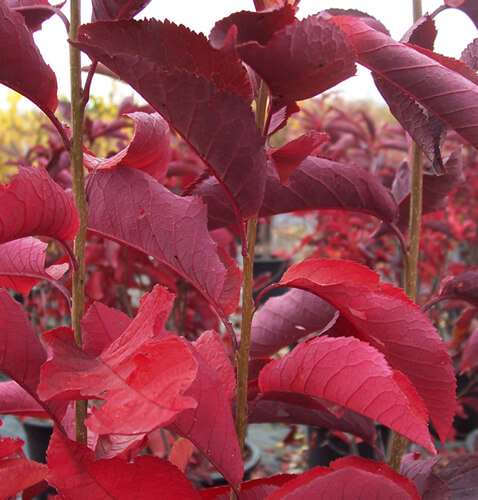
446	93
32	204
20	59
289	156
199	90
354	375
76	475
14	400
22	266
284	320
130	207
16	474
149	149
382	315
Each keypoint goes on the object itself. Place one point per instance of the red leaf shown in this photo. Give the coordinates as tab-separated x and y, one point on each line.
284	320
209	425
200	91
35	12
422	33
181	452
354	479
211	348
142	379
116	9
429	485
149	149
17	474
20	59
22	265
300	60
14	400
382	315
256	489
100	326
269	4
22	353
355	375
10	447
288	157
317	183
132	208
470	352
461	287
76	475
33	204
446	93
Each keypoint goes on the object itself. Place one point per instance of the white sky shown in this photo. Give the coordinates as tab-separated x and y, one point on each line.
455	31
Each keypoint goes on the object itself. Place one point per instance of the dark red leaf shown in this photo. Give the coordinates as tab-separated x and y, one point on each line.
382	315
199	90
16	474
284	320
444	92
422	33
20	59
470	352
317	183
429	485
100	326
130	207
299	61
435	189
292	408
22	353
75	473
461	287
32	204
149	149
353	478
288	157
270	4
22	266
460	474
256	489
35	12
116	9
354	375
469	7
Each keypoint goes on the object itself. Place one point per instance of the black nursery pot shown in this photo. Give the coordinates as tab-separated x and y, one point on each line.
38	433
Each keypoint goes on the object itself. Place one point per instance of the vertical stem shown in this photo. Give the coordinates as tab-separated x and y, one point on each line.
76	157
247	300
416	189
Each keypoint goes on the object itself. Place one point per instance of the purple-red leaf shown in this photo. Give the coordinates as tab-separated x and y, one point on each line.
22	353
116	9
470	352
35	12
22	265
435	189
469	7
292	408
422	33
429	485
32	204
289	156
317	183
149	149
446	93
382	315
202	92
299	61
355	375
130	207
76	475
284	320
461	287
20	59
350	478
